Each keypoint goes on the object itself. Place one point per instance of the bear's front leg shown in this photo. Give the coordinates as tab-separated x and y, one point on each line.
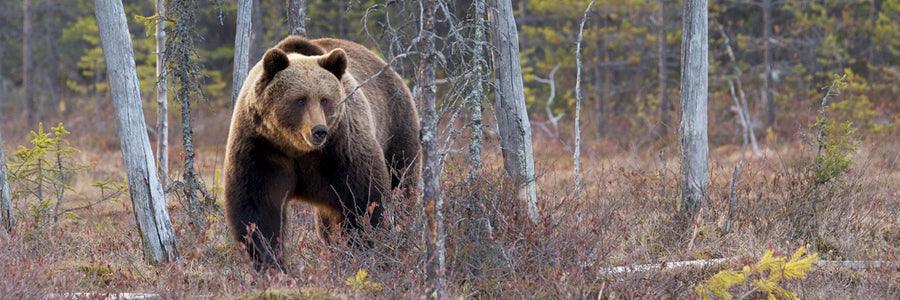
258	181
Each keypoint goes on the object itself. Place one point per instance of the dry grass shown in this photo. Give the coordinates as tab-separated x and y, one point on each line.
626	215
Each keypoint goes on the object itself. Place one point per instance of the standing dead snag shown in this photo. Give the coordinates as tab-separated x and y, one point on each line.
162	96
477	97
7	218
431	177
664	105
578	66
739	98
296	10
147	196
509	107
694	86
187	73
241	48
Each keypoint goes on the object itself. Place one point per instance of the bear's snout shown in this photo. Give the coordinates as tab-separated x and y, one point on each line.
319	133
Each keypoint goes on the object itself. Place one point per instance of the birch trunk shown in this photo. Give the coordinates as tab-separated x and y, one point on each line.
694	86
147	196
7	218
431	197
577	156
162	97
241	48
297	16
509	107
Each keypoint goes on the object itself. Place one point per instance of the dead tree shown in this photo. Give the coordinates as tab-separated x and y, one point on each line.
162	96
694	89
664	105
431	177
477	97
7	218
552	118
147	196
577	156
736	88
767	97
28	63
187	73
241	48
297	16
509	107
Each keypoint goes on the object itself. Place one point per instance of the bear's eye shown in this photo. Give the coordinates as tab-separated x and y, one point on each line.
301	100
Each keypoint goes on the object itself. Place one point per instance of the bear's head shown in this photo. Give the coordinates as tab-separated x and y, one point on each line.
299	98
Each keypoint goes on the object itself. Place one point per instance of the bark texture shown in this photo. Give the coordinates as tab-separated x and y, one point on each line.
162	97
7	218
509	107
577	156
431	177
477	97
694	89
241	48
297	16
147	196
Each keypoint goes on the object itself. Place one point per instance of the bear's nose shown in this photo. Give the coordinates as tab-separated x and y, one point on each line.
318	134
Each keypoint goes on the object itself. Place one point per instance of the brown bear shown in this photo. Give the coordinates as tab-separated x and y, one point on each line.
322	121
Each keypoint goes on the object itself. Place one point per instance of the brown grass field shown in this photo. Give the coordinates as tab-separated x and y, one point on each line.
627	215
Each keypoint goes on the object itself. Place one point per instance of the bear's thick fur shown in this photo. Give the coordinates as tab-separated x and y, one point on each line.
296	135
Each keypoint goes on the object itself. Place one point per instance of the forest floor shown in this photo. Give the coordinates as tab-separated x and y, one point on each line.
626	215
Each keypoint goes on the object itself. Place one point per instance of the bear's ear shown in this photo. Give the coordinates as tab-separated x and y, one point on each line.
299	44
335	62
274	61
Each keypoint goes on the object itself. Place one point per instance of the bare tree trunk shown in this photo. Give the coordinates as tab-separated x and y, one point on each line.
477	97
241	48
7	218
664	105
577	156
512	117
431	197
162	97
694	89
28	64
297	16
739	98
767	97
256	37
147	194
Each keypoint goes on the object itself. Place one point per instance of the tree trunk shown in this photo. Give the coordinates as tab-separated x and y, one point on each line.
297	16
28	64
256	38
241	48
7	218
577	156
767	97
694	85
431	197
477	97
147	196
509	107
162	101
664	105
